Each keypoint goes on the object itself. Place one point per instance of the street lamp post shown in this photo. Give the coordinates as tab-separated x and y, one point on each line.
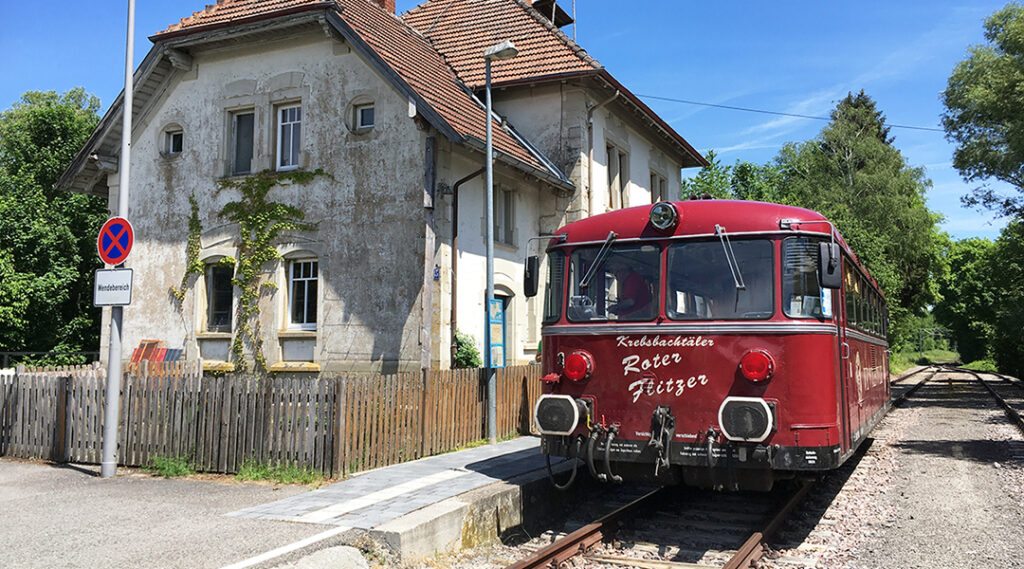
500	51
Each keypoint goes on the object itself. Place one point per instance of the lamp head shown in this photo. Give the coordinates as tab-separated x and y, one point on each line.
501	51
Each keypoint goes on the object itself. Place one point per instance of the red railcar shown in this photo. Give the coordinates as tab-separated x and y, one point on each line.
717	343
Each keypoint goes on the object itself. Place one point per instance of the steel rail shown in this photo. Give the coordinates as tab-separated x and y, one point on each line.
1011	413
903	396
910	375
754	547
579	541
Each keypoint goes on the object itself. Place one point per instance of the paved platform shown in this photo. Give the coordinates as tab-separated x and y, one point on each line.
428	505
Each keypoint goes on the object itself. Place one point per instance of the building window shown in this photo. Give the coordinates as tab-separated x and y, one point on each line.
289	137
659	188
504	217
219	295
173	141
618	176
364	117
242	125
302	279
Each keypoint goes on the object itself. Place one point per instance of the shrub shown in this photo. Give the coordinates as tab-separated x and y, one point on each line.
466	354
983	365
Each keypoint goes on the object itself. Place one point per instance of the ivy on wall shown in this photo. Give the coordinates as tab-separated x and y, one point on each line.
193	265
259	221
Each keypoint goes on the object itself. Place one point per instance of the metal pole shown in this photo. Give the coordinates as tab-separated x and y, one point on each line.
111	408
492	384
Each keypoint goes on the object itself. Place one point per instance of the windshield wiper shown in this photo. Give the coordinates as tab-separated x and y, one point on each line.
601	254
734	267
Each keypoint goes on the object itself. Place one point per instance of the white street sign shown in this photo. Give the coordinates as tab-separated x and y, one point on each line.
113	287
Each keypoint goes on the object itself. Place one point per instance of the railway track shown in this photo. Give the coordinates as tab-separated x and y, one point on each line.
677	528
1012	403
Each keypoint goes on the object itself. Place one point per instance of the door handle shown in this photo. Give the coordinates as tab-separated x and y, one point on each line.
846	351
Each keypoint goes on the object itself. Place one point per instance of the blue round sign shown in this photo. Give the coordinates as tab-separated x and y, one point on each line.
115	240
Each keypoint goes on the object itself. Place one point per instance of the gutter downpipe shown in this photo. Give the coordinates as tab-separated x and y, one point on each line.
590	145
455	255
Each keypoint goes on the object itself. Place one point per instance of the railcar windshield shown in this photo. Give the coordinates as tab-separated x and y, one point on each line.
802	295
701	286
624	285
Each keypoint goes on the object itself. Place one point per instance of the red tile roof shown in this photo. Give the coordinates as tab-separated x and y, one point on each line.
405	51
230	11
462	29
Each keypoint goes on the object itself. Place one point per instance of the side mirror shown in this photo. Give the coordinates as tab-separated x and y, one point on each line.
531	275
829	275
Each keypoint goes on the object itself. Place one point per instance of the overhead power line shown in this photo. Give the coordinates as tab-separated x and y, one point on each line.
777	113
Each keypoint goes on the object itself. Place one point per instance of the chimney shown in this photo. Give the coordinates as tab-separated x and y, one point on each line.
388	5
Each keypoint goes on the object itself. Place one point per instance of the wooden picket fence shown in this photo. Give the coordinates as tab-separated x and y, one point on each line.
335	425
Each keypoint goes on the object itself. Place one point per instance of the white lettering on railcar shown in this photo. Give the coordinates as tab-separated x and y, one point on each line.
650	387
664	342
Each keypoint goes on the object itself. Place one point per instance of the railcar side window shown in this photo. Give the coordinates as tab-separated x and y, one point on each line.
623	285
554	287
801	292
851	294
701	286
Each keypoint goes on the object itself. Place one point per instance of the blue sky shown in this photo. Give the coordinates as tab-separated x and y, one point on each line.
795	57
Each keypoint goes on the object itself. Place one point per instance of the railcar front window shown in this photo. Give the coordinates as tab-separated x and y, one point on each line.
623	286
554	288
701	286
801	292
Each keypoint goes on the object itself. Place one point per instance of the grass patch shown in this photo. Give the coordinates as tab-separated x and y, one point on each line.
983	365
171	466
280	473
900	362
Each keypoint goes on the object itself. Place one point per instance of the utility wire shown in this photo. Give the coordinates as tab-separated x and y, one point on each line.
731	108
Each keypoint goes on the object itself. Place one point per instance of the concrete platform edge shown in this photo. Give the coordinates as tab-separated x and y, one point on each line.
481	516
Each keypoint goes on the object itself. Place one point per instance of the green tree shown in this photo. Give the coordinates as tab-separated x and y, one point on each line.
712	179
1006	273
984	101
742	181
853	175
967	298
47	238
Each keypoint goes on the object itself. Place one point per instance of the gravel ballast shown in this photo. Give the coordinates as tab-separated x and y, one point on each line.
940	486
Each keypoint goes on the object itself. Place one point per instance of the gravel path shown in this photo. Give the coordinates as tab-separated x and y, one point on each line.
953	496
942	485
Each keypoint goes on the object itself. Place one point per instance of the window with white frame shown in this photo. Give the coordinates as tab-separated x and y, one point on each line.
302	294
219	297
174	139
659	187
364	117
618	177
289	136
504	217
242	141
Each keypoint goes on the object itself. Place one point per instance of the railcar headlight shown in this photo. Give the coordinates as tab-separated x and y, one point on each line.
664	216
578	365
757	365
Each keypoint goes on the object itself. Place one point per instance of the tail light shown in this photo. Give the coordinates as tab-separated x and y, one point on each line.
578	366
757	366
